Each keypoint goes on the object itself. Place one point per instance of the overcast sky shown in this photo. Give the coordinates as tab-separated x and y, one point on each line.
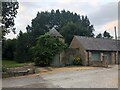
103	14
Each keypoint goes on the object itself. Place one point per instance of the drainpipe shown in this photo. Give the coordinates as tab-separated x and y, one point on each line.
116	45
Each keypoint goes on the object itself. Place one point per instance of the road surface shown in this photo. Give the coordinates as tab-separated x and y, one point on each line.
93	78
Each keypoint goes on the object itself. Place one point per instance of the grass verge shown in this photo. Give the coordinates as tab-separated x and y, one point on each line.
11	64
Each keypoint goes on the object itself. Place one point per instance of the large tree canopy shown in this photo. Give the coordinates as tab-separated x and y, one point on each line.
65	21
9	11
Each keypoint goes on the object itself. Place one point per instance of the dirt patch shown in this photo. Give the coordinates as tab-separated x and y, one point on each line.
62	69
39	85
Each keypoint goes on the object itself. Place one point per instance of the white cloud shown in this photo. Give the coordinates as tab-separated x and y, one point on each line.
108	27
104	14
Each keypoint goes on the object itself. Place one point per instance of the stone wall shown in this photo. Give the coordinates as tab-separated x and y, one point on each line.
69	55
85	57
101	62
113	57
79	50
76	49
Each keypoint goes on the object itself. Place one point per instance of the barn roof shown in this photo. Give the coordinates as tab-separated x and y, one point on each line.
55	33
98	44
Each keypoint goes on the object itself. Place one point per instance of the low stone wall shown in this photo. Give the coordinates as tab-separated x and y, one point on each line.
17	73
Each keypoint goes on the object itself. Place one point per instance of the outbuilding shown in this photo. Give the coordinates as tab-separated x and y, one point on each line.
96	51
58	58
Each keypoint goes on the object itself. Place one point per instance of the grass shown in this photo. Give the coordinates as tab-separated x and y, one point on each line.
10	64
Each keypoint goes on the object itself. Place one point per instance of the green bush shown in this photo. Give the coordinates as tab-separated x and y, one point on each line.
77	61
46	48
41	62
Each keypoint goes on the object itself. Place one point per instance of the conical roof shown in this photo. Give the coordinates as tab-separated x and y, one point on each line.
55	33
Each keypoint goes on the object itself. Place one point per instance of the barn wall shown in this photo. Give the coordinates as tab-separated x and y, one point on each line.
56	60
113	58
98	58
80	50
94	58
69	55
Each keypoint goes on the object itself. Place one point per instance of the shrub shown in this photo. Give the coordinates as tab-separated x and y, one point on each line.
41	62
77	61
46	48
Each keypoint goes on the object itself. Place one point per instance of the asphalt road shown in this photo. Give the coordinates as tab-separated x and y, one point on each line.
35	81
93	78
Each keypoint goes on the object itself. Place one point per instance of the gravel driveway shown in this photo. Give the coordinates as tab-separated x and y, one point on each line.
93	78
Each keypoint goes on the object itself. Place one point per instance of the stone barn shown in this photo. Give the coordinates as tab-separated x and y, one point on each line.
96	51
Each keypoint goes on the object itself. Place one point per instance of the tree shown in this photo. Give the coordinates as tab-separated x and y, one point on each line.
8	49
99	36
46	48
62	19
9	11
22	53
107	35
71	29
104	35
